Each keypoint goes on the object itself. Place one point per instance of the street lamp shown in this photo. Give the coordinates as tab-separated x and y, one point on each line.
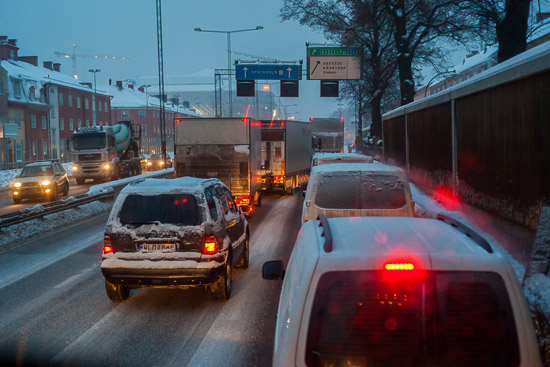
229	56
95	71
435	76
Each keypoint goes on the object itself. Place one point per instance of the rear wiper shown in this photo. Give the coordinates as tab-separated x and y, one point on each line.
144	222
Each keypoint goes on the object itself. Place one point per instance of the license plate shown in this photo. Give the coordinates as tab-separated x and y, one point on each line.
160	247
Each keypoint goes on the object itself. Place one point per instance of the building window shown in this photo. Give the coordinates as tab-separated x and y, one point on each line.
18	152
71	124
44	148
42	95
124	114
61	124
99	105
79	123
16	88
33	151
144	129
142	114
78	103
106	110
44	122
87	123
60	99
33	121
32	91
93	105
86	105
70	100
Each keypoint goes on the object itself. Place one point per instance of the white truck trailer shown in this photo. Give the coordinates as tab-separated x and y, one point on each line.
327	134
286	154
224	148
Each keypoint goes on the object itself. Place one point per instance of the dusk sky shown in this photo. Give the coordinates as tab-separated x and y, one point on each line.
128	28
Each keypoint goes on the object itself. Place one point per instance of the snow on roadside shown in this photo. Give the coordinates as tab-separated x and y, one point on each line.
22	232
536	289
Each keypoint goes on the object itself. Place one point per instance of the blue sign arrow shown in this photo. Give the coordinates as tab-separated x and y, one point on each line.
272	72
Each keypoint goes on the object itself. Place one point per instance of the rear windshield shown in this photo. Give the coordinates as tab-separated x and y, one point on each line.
444	319
180	209
360	190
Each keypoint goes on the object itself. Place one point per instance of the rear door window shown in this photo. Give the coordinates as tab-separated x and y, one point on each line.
209	195
180	209
360	190
442	319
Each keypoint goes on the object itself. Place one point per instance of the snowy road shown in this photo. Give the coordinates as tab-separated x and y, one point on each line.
54	308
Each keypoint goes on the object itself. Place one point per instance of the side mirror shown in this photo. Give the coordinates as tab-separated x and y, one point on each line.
273	270
308	203
298	191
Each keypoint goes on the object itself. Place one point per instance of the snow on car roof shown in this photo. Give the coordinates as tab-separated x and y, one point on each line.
161	185
388	235
38	164
339	155
353	167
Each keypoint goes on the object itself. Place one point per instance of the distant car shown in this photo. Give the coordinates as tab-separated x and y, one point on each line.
357	190
381	291
143	162
46	180
174	233
156	162
328	158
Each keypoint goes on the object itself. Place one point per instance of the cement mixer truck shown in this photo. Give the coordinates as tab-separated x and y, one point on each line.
104	153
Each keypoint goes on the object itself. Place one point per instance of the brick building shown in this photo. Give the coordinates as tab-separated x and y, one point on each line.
40	107
138	106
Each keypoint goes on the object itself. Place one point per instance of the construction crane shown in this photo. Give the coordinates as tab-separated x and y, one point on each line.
74	55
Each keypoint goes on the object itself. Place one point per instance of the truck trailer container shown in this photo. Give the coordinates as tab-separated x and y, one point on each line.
327	134
224	148
286	154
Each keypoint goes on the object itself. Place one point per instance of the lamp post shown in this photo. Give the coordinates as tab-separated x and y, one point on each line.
94	113
435	76
228	33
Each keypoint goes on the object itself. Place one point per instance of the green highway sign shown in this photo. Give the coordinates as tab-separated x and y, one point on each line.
333	51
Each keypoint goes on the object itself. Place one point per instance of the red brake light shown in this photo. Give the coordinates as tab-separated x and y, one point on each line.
399	266
107	248
243	201
210	245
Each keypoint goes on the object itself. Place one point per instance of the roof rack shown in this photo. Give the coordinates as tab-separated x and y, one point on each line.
480	241
323	222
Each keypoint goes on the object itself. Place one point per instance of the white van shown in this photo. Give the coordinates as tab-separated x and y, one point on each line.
357	190
380	291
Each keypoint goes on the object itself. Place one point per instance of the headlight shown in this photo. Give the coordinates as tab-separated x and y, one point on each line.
161	163
149	163
17	184
45	183
75	168
106	166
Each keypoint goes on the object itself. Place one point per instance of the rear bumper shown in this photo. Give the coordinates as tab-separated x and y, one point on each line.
138	277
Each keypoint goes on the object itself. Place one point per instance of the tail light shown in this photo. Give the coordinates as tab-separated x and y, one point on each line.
402	271
107	247
245	200
210	245
399	266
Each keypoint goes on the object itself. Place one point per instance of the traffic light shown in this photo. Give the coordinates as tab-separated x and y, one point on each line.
329	88
289	88
245	88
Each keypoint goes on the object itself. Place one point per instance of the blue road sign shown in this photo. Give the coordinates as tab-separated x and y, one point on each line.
277	72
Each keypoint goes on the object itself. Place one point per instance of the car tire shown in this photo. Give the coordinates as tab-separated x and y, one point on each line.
222	289
244	261
17	200
80	181
55	194
66	191
259	199
117	292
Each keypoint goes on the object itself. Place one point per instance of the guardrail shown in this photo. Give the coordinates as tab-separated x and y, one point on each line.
103	191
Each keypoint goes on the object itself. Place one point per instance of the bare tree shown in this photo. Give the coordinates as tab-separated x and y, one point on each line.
364	23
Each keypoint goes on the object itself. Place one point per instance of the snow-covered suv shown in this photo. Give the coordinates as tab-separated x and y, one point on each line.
45	179
392	291
177	233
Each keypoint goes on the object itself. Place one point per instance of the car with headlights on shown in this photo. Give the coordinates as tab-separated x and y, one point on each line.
156	162
46	180
174	233
398	291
